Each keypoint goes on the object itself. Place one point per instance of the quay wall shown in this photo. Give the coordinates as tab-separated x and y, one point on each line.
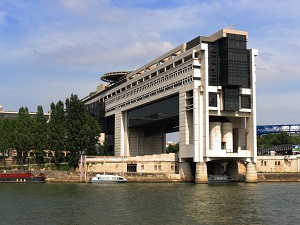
60	176
278	177
67	176
74	177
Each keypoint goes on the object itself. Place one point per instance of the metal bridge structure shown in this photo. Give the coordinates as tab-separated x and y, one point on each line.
279	149
273	129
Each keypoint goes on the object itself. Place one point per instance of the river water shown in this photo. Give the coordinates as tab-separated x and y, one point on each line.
149	203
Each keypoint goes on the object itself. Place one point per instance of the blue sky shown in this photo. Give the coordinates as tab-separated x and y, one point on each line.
50	49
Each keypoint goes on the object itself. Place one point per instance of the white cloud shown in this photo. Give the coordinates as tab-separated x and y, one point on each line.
71	39
80	6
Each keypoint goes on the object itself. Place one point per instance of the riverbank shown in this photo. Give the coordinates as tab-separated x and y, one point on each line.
68	176
278	177
74	177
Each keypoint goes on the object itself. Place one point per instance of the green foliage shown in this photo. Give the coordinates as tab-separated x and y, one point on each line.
173	148
281	138
57	130
23	134
81	129
40	135
7	127
104	150
69	129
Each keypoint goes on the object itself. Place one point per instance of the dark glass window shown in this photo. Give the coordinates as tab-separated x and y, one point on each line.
154	113
246	102
213	101
231	99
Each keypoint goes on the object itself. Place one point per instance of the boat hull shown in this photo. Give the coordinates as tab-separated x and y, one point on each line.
107	179
220	179
21	178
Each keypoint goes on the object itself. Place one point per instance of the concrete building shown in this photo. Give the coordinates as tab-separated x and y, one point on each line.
205	89
278	164
14	114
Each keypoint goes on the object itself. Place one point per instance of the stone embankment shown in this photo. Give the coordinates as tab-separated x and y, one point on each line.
278	177
61	176
68	176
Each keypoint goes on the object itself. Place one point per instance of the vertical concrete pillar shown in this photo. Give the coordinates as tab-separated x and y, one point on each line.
251	173
201	173
215	136
227	136
232	170
185	171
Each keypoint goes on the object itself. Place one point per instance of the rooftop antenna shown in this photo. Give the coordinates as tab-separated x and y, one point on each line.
231	27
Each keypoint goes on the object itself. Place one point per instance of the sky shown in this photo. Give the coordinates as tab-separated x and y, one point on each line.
50	49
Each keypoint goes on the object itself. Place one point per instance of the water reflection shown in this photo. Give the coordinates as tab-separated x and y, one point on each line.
150	203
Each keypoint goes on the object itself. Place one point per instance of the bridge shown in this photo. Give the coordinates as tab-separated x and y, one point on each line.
273	129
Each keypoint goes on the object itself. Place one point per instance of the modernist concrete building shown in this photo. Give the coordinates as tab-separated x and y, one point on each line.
205	89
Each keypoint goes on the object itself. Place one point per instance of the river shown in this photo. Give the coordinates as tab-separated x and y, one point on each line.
149	203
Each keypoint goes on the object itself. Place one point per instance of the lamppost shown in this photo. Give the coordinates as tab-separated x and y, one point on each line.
82	163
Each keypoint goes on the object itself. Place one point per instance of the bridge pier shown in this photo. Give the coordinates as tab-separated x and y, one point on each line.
185	171
201	173
233	170
251	173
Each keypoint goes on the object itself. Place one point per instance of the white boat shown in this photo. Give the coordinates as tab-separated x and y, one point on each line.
219	179
103	178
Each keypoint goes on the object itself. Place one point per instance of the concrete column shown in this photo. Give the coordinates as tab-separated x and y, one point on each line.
227	136
251	173
232	170
215	136
201	173
185	171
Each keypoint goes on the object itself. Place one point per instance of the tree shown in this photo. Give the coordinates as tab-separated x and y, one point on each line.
82	130
173	148
57	131
104	149
40	135
23	134
281	138
7	127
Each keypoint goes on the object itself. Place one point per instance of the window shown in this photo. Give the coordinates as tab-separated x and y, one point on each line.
213	100
157	167
246	102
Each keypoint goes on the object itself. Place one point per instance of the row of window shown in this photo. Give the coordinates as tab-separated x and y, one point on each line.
276	163
173	85
150	84
157	167
245	101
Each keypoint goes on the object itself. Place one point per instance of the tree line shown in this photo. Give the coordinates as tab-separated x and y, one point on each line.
269	140
69	129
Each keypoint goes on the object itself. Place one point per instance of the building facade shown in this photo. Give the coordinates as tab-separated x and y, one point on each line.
205	89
